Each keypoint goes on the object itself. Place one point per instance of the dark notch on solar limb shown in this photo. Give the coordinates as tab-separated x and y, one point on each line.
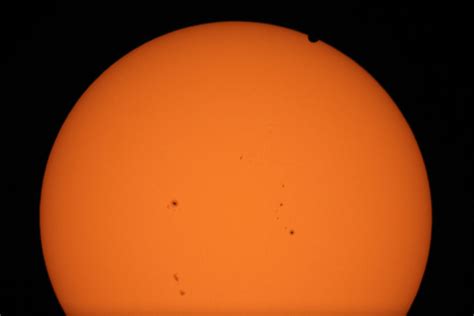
312	38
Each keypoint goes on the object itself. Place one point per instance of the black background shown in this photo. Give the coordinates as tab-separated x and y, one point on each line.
51	53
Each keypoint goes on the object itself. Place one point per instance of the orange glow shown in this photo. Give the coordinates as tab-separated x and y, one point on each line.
235	167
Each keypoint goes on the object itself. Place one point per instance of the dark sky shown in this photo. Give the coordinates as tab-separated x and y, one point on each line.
50	53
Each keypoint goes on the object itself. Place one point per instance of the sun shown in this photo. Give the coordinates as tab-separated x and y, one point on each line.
235	167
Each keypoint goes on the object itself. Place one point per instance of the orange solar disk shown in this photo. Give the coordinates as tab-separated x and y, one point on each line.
235	167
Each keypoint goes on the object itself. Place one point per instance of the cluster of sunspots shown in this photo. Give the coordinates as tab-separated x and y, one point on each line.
173	204
176	278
